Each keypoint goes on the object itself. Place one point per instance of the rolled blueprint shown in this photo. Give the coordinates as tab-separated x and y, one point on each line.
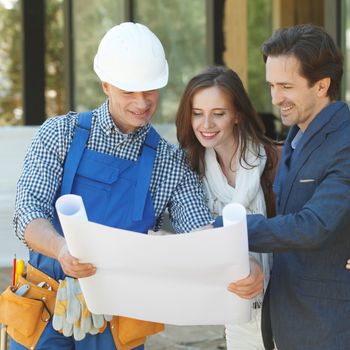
233	213
175	279
71	205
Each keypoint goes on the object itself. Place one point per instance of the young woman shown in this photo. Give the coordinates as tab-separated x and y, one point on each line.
224	141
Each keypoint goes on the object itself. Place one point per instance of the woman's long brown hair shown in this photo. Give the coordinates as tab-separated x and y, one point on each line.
249	126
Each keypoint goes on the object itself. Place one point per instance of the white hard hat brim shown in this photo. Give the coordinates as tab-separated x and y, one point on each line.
130	85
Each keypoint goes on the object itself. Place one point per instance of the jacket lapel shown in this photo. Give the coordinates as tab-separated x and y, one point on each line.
283	167
326	121
298	162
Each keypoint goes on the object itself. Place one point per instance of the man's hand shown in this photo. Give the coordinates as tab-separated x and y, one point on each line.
348	264
42	237
72	266
250	286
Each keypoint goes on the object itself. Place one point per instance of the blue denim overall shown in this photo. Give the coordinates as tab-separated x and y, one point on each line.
115	193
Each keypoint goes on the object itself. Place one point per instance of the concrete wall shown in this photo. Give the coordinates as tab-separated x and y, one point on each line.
14	142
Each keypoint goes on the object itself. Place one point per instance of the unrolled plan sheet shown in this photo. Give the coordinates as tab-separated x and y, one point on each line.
174	279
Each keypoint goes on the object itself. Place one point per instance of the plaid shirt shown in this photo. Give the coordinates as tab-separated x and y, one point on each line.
173	184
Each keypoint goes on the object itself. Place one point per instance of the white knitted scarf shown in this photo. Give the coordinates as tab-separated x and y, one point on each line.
247	191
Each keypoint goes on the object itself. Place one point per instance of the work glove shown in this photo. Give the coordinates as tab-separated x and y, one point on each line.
59	321
71	316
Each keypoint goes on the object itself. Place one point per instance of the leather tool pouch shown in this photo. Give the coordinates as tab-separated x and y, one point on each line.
129	333
27	316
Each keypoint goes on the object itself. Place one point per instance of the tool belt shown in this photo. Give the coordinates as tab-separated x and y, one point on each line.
27	316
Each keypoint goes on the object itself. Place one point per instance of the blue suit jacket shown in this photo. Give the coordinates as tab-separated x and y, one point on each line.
310	237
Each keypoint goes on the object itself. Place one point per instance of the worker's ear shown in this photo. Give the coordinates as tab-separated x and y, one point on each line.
105	87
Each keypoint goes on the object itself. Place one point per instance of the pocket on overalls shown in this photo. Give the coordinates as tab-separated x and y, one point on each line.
95	182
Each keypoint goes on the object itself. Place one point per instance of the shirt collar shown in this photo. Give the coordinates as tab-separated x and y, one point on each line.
296	139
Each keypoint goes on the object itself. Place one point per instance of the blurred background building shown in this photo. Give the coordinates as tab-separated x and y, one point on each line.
47	48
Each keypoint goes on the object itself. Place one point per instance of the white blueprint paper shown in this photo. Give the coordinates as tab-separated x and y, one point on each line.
174	279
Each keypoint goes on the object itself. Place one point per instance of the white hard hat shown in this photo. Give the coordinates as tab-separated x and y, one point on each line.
131	58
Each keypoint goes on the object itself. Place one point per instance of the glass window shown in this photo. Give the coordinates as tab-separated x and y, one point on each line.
181	27
259	29
91	21
11	105
54	58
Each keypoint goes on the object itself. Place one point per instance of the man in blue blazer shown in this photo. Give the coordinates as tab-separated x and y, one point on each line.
309	292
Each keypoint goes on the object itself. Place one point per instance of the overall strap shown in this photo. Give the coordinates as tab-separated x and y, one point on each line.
145	173
76	151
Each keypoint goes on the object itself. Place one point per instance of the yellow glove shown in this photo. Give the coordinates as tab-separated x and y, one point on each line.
59	321
71	316
85	317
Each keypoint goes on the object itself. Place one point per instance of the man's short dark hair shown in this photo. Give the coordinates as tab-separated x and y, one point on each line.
314	48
